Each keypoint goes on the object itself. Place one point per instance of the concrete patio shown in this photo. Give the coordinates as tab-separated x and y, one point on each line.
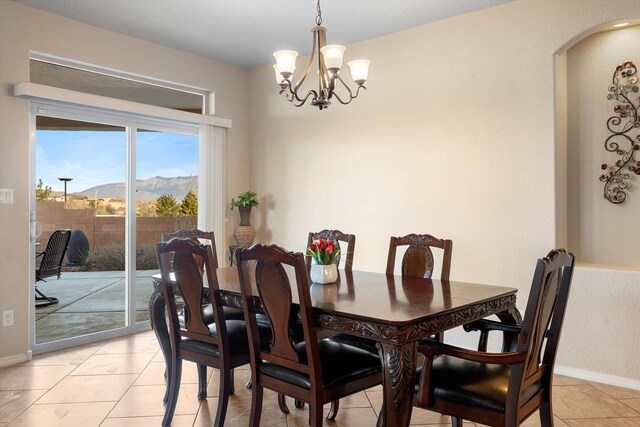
89	302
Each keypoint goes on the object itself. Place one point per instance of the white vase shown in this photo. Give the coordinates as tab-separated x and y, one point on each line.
324	273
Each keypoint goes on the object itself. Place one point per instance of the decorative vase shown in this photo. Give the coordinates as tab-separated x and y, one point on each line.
324	274
244	234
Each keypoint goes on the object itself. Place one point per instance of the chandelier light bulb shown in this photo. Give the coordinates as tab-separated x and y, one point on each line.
279	77
359	70
333	55
286	62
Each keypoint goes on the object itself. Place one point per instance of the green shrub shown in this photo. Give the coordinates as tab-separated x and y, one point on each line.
146	257
111	258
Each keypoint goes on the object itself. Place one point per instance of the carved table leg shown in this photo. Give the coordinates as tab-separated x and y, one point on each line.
398	369
160	327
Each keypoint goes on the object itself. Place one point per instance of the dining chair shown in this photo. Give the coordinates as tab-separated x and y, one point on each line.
208	238
307	370
337	236
49	263
222	344
418	260
503	389
350	241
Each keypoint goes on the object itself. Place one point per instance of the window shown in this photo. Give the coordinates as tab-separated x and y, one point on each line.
80	80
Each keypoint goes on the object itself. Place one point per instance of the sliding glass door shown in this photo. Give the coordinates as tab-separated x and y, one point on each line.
118	184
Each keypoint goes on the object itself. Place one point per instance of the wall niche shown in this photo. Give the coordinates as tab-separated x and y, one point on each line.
598	231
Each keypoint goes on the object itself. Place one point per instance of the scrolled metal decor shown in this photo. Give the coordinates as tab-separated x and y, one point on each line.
625	128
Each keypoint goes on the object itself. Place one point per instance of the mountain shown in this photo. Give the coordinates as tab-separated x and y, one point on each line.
147	189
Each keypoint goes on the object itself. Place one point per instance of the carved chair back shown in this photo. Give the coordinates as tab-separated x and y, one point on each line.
205	237
418	259
542	323
275	294
337	236
185	258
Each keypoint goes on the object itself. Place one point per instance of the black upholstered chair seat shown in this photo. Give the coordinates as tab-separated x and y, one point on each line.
238	342
363	343
230	313
341	364
482	385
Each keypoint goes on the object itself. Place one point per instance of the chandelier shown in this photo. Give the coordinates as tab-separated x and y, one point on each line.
329	58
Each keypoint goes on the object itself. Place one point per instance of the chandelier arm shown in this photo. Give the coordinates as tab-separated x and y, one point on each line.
291	93
292	96
288	95
303	100
306	72
348	88
341	101
351	95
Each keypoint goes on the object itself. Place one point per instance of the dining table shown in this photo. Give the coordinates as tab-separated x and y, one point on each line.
394	311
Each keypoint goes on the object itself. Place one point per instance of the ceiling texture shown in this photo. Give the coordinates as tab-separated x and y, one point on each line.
245	33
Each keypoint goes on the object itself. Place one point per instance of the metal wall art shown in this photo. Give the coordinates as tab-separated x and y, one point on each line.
624	126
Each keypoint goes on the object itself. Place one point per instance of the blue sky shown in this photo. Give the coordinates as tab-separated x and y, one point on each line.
97	157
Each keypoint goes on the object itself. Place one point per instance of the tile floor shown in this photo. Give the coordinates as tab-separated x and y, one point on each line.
119	383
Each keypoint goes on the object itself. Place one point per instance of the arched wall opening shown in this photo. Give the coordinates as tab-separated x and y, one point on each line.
597	231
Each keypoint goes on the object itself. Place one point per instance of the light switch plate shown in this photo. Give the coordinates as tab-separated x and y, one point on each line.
6	196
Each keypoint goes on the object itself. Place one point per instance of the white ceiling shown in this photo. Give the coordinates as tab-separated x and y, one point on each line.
246	32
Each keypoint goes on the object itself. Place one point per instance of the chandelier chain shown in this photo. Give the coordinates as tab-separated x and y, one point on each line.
319	17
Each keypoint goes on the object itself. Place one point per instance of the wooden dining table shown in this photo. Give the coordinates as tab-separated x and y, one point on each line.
394	311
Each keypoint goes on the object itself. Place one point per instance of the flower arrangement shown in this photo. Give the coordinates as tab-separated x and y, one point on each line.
324	251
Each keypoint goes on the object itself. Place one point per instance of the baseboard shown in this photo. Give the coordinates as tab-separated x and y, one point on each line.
15	359
597	377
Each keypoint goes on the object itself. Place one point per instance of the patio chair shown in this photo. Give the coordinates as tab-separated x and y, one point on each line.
51	263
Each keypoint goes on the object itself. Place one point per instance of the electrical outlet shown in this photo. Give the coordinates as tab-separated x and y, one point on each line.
7	318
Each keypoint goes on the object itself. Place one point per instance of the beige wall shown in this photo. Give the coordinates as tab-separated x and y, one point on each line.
455	137
600	232
23	29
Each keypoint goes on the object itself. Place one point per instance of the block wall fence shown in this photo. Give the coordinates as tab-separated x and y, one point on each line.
102	230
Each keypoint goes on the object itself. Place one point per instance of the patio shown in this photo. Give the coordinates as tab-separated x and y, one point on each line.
89	302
